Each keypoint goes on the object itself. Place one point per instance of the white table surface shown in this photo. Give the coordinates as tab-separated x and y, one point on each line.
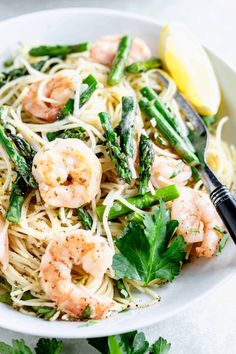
209	325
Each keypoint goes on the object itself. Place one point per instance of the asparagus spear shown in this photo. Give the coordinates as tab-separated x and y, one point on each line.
19	187
146	158
25	149
119	62
171	118
91	83
135	217
16	201
12	75
85	218
175	140
149	93
21	165
58	50
76	133
68	109
195	174
15	73
142	66
127	126
140	201
117	156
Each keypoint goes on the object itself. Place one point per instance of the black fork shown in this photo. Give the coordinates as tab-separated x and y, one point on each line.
220	195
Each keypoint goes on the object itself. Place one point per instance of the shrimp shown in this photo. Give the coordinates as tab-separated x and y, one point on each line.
4	244
166	170
93	255
105	49
68	173
57	92
198	220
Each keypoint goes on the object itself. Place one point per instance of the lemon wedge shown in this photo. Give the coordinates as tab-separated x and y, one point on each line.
190	67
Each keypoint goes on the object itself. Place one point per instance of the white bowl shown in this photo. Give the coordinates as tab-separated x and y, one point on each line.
76	25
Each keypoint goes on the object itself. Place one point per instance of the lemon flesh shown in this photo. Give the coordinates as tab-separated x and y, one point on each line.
190	67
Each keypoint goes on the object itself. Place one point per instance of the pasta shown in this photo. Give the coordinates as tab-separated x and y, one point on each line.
40	223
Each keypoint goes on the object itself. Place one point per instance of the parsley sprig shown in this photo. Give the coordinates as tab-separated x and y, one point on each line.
128	343
44	346
148	251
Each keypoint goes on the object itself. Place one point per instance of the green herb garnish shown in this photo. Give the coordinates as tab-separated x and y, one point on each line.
146	252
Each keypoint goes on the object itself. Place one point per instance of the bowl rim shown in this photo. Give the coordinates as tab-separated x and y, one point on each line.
109	11
42	330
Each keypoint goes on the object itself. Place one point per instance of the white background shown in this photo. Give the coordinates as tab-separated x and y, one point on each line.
209	325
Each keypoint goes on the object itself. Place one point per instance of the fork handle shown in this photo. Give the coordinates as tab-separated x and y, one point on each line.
225	205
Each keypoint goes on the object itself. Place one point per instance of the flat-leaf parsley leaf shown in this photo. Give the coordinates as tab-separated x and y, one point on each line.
129	343
147	251
161	346
18	347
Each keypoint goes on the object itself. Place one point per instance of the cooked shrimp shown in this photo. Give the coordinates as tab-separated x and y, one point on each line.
57	92
105	49
68	173
93	255
198	220
166	170
4	248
